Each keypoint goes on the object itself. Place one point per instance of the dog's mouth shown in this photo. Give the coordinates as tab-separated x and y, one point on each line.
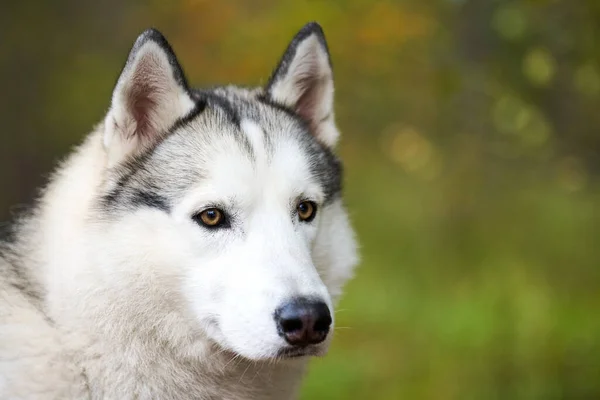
295	352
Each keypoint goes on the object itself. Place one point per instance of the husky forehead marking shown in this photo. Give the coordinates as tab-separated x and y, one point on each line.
225	113
256	138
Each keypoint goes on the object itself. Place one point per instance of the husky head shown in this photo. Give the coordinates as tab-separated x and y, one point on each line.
221	208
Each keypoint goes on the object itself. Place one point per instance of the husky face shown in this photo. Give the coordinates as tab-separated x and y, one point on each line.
224	204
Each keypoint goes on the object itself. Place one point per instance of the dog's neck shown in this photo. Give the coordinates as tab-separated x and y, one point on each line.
121	354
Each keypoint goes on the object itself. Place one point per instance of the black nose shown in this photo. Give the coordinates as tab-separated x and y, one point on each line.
303	321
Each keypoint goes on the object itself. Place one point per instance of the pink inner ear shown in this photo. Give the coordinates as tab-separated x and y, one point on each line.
141	105
311	86
143	97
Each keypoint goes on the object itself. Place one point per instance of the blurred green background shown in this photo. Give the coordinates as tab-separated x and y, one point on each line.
472	148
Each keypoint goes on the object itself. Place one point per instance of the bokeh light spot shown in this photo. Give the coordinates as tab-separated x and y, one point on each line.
539	66
414	153
514	117
510	22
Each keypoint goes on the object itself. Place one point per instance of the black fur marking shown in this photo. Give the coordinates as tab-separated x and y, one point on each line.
199	107
24	287
267	100
312	28
329	170
212	99
129	169
134	198
143	198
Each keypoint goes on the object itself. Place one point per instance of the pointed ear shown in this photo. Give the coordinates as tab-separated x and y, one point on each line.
149	97
303	81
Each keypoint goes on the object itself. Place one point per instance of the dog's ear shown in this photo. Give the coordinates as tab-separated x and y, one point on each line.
149	97
303	81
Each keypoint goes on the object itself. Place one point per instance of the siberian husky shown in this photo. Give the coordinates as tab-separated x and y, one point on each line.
193	247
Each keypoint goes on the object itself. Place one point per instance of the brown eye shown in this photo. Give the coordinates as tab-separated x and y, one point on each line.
211	217
307	211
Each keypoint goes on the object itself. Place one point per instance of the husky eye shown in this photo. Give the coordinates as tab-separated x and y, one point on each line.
211	218
306	211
